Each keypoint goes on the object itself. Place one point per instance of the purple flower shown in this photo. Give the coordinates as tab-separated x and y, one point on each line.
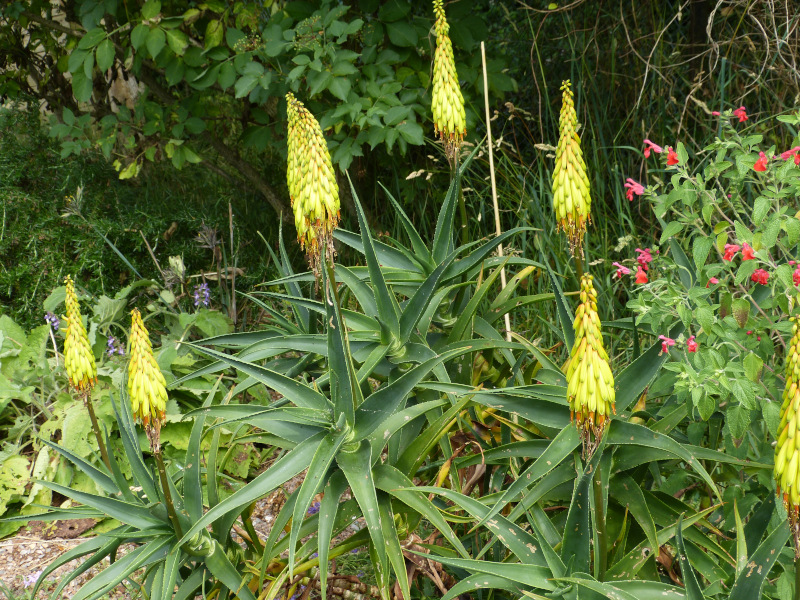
52	320
114	346
202	294
29	580
313	509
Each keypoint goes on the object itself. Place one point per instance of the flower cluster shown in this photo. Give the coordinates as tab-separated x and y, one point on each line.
644	258
202	294
313	509
667	342
114	346
52	320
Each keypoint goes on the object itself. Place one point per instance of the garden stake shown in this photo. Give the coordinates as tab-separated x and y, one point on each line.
497	229
79	362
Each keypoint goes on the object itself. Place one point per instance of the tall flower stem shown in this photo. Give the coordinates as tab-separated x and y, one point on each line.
87	399
797	578
601	553
173	516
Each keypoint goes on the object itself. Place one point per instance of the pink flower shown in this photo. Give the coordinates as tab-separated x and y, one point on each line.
644	257
641	276
730	251
633	188
793	153
672	157
691	345
621	270
747	252
796	276
712	280
740	112
648	146
715	113
760	276
666	343
761	163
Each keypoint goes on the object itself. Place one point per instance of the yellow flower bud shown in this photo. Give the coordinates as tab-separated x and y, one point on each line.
449	117
78	355
146	385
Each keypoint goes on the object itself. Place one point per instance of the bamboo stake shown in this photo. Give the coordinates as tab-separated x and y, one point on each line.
497	229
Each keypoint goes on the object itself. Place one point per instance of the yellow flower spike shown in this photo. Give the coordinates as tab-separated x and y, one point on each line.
313	190
572	200
146	385
590	383
787	453
78	355
449	117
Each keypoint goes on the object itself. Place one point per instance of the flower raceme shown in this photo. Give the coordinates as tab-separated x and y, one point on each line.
146	384
313	191
787	450
590	383
572	201
741	113
78	355
666	342
621	270
645	258
449	116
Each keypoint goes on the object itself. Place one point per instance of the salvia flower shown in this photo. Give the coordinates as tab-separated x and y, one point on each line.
78	355
741	113
313	191
730	251
712	281
761	163
666	342
146	385
632	187
787	450
645	258
747	252
202	294
760	276
621	270
691	344
792	153
572	201
672	157
590	383
648	146
52	320
641	275
796	276
449	117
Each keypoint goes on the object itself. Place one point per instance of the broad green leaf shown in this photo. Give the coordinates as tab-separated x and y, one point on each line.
481	582
629	590
345	392
420	247
457	333
577	541
156	39
99	547
420	301
312	483
559	449
329	506
690	582
226	573
750	581
104	55
393	546
625	491
292	463
565	316
296	392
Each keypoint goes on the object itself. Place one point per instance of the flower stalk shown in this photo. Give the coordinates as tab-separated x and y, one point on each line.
787	450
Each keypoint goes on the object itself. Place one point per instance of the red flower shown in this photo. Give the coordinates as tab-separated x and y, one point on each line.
792	153
666	343
761	163
691	345
796	276
712	280
644	257
740	112
641	276
672	157
760	276
730	251
632	188
715	113
648	146
747	252
621	270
